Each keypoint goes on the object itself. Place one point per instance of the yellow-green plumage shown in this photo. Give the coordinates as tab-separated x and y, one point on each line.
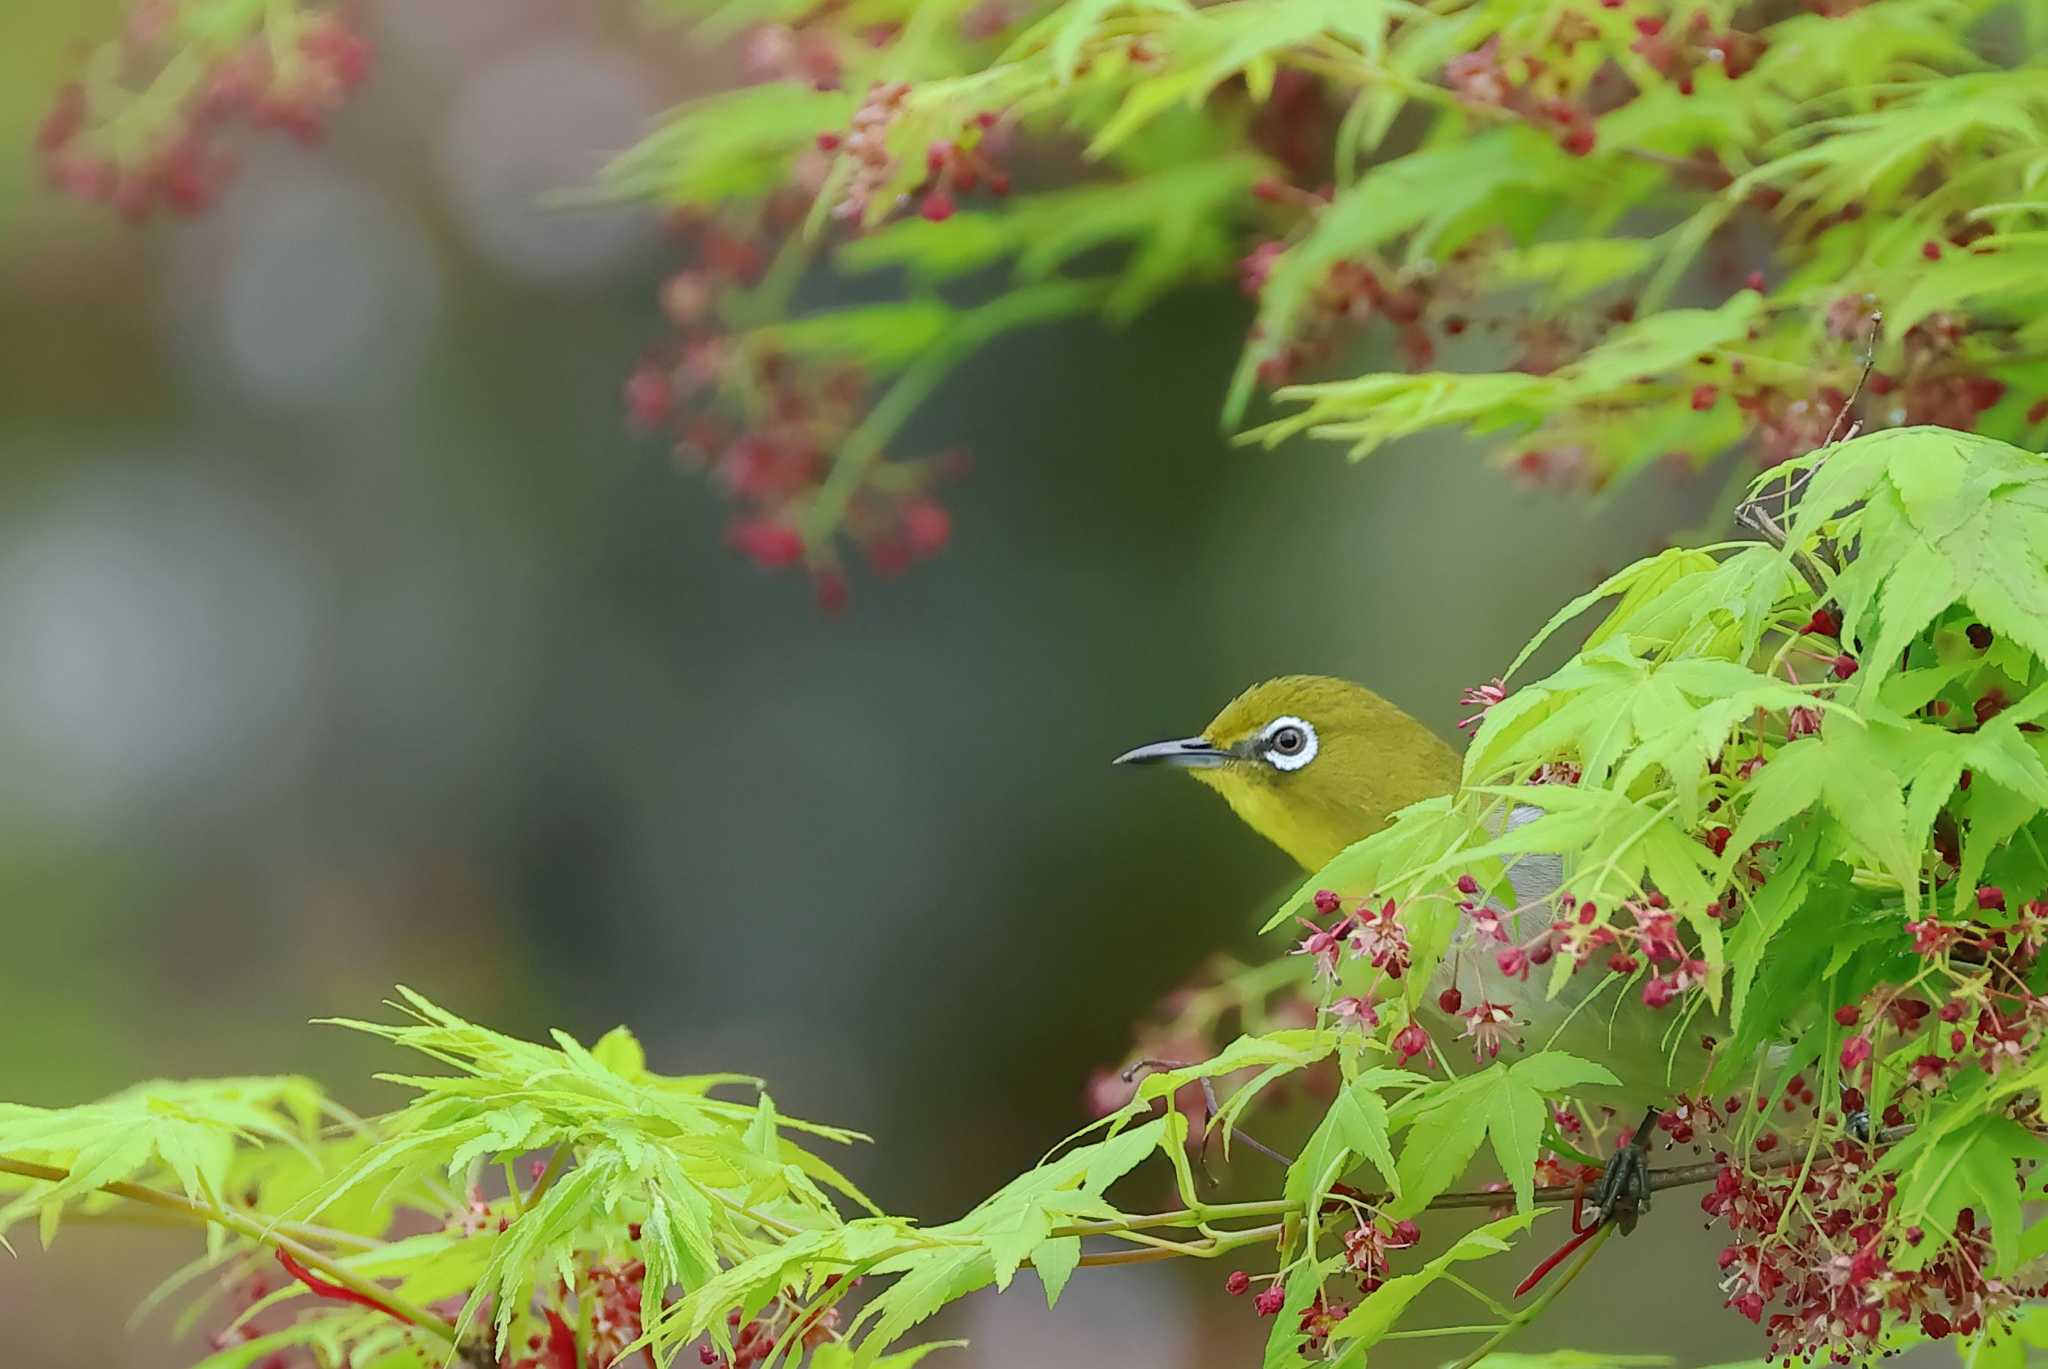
1373	760
1369	760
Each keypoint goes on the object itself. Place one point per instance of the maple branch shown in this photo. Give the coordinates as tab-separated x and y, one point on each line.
272	1234
1671	1176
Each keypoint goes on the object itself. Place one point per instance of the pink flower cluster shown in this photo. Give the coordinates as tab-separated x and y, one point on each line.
766	428
141	128
1826	1273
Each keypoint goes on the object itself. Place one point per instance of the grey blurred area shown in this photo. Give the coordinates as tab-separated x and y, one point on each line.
352	640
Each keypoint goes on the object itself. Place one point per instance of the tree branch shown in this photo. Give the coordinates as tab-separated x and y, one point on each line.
1671	1176
1754	516
272	1234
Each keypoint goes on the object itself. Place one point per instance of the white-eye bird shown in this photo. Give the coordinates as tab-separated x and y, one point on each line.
1315	764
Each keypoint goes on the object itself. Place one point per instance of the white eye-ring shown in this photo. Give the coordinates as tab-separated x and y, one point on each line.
1288	743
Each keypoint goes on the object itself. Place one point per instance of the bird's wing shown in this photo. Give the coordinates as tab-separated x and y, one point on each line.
1618	1031
1535	877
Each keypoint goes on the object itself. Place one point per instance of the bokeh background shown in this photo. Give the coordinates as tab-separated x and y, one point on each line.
350	638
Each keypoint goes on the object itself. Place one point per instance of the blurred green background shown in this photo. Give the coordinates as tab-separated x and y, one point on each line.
351	639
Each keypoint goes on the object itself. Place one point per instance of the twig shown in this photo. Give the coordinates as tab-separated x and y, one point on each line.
1671	1176
1753	515
1530	1313
1203	1249
1869	362
1208	1087
262	1233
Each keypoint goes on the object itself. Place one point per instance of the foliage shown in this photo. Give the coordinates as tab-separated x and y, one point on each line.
1798	784
1801	792
1606	235
140	128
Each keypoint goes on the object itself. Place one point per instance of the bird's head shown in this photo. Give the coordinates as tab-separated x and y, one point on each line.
1311	763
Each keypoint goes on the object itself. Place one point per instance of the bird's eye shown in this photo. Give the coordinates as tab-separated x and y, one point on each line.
1289	743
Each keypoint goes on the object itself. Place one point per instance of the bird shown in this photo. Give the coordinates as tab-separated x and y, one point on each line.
1314	764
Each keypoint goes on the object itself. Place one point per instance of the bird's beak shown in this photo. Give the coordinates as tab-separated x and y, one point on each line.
1194	753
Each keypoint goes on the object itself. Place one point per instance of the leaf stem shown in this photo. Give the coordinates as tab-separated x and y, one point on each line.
972	330
1204	1249
1535	1309
1428	1332
546	1181
774	1224
1185	1216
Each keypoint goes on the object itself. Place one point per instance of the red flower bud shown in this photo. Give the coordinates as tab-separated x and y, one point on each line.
1979	635
1450	1000
1410	1042
1825	622
1990	898
1846	1015
1237	1283
1855	1052
1843	667
1270	1301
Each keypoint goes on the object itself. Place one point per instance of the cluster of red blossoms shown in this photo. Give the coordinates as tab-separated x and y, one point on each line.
953	166
603	1298
1825	1271
1352	295
753	1341
140	129
1366	1248
1828	1274
767	428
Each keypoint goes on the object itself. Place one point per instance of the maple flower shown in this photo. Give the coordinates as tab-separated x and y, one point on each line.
1489	1026
1325	945
1382	940
1356	1012
1410	1042
1657	933
1480	698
